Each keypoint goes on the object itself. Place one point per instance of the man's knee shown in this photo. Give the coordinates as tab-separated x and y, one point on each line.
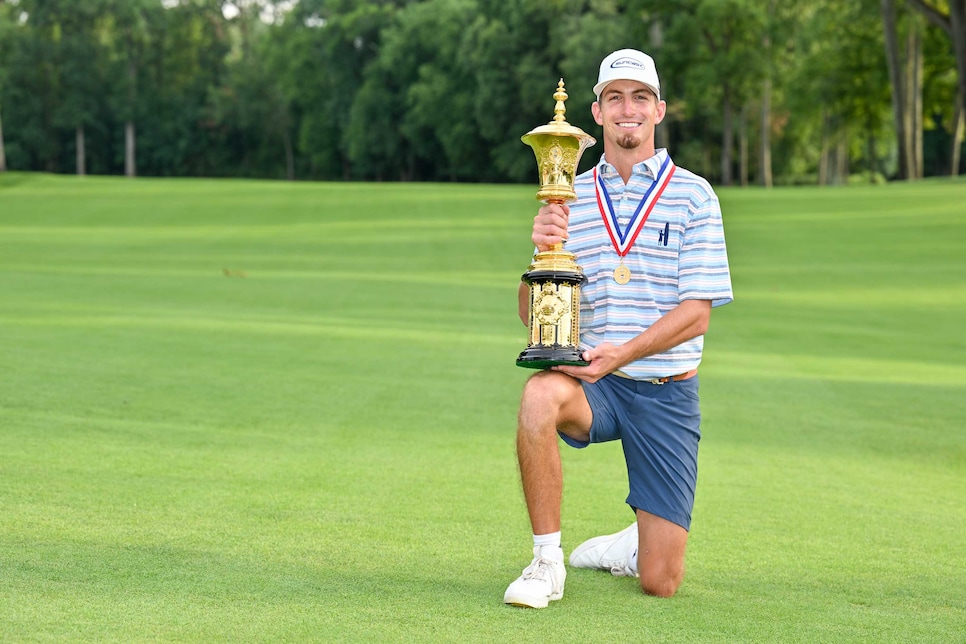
554	401
660	560
540	403
549	386
661	583
546	392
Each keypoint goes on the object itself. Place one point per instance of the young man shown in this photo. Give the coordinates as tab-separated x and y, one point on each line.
649	237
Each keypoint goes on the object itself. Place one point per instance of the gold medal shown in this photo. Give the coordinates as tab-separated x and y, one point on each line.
622	274
624	239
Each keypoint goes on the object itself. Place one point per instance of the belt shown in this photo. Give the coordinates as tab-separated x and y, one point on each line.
666	379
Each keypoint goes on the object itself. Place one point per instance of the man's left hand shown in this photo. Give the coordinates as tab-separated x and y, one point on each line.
603	359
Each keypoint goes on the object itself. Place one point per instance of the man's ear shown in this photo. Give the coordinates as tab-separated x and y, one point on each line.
661	112
595	110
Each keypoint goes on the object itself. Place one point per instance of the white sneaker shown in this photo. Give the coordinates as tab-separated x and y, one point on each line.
541	582
612	552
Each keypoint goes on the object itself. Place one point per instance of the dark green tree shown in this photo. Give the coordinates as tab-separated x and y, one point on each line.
389	133
185	62
319	55
248	102
516	52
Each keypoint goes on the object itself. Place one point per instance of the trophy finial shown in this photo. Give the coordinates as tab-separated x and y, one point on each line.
559	109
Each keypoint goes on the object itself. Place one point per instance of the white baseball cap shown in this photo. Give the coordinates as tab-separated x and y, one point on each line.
628	64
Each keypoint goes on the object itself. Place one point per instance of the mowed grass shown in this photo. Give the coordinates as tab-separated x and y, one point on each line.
256	411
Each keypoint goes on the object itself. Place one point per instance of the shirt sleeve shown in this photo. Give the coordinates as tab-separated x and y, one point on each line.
703	272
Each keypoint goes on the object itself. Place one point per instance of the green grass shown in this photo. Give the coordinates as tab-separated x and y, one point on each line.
255	411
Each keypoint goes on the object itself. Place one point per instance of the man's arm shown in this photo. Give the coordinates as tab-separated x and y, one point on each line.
687	320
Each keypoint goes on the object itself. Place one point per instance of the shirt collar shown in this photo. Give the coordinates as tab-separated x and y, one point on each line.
648	167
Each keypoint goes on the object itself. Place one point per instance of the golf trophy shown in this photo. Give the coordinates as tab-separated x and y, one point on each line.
554	278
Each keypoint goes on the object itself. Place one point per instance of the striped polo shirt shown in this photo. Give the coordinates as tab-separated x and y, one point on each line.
679	255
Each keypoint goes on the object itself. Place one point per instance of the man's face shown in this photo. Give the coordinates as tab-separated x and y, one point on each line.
628	112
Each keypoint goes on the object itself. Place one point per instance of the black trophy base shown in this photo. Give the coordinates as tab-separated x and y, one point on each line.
544	357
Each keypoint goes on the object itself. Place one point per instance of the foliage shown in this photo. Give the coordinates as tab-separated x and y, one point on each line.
443	89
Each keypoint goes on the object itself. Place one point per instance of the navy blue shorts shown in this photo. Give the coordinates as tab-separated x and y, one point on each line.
659	428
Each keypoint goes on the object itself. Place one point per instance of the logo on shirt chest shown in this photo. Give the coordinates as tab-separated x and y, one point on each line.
664	235
656	233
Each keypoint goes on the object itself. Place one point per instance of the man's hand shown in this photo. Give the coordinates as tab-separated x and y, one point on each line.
603	359
550	226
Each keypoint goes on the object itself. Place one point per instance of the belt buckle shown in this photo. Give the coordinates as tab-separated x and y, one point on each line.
658	381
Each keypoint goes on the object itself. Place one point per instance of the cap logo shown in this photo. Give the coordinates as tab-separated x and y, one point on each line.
627	62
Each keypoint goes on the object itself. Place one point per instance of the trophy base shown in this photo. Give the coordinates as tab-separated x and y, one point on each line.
543	357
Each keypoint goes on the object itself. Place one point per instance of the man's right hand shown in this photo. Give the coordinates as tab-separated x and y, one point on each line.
550	226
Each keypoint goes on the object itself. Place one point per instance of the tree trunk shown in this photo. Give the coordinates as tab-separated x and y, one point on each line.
289	155
743	146
130	167
707	156
958	124
823	159
833	165
727	139
913	94
81	151
842	159
896	78
3	154
764	152
130	164
871	153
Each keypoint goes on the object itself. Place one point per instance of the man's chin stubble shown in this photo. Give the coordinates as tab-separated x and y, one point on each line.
628	142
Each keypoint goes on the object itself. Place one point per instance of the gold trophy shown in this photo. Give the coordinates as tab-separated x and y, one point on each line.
554	277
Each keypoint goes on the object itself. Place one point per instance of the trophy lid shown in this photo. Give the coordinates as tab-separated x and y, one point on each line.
558	146
559	125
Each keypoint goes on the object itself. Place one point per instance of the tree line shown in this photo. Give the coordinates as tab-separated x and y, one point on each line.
758	91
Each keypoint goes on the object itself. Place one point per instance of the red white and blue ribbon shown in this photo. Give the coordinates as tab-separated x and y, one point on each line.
624	239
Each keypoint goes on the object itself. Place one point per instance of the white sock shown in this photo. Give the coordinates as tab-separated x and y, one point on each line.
552	539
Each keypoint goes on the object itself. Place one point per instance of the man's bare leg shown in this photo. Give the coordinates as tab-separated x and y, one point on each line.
660	555
551	401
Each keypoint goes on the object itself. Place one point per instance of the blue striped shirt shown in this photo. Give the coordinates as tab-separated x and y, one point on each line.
679	255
